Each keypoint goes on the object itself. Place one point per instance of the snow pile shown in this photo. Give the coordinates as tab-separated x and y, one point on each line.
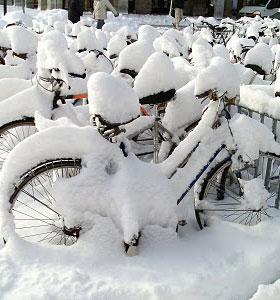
185	72
202	53
27	102
268	292
221	51
221	76
22	40
184	110
252	32
94	62
4	40
17	84
162	44
147	33
251	138
134	56
261	99
112	99
255	194
87	40
57	37
116	44
101	38
260	56
156	76
116	191
52	58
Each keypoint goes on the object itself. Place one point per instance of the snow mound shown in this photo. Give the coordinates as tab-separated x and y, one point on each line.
260	56
202	53
156	76
86	40
163	44
185	72
22	40
147	33
221	75
221	51
112	99
135	55
116	44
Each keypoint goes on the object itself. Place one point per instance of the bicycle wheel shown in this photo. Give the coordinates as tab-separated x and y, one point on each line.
33	203
221	194
13	133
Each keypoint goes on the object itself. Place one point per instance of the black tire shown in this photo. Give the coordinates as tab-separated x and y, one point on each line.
221	195
32	203
13	133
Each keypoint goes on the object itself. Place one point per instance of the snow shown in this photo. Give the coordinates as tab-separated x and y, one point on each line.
221	76
109	95
87	40
184	110
268	292
202	52
17	84
157	75
116	44
185	72
135	55
116	197
147	33
260	98
27	102
22	40
261	56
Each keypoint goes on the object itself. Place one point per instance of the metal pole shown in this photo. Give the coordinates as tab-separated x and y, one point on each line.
5	6
156	135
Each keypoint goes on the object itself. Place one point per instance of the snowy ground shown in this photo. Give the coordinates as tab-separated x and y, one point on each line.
224	261
217	263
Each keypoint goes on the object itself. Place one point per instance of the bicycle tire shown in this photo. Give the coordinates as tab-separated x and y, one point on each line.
32	203
221	184
13	133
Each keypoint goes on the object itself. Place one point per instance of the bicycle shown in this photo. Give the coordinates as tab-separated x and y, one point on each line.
17	119
214	159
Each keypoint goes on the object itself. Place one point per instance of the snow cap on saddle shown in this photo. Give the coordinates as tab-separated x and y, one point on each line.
147	33
112	99
220	76
259	59
155	83
133	57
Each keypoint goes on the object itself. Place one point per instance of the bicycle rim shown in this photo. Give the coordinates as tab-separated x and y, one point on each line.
221	195
33	203
13	133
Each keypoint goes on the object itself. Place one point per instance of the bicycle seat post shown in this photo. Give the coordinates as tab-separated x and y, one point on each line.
156	135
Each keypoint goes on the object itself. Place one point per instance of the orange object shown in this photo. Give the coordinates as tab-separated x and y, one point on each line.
143	111
80	96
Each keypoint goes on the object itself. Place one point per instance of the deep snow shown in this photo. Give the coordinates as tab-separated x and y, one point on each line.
224	261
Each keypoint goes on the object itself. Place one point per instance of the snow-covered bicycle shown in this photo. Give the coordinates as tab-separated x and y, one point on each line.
53	194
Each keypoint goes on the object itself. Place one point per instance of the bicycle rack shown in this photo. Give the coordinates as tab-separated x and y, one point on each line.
272	124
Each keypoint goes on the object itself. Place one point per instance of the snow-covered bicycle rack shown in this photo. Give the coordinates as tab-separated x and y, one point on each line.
273	124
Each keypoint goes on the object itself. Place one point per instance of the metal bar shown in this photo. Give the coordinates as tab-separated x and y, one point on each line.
156	135
267	173
274	128
5	6
200	173
277	200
